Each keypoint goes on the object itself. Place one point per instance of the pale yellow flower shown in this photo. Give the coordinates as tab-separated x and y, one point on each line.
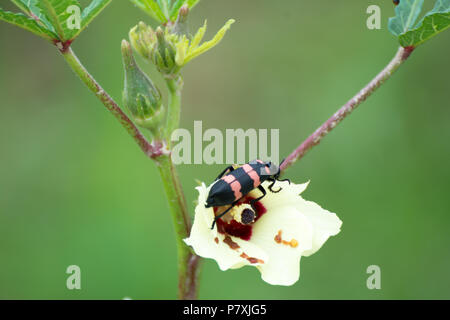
286	228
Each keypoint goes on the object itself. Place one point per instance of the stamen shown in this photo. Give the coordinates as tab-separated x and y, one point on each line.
278	239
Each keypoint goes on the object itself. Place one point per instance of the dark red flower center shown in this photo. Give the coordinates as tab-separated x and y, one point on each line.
235	228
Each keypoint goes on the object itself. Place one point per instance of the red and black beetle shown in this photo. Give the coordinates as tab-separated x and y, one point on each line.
233	184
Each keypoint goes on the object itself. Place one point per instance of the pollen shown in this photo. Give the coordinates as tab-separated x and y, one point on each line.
251	259
278	239
233	245
293	243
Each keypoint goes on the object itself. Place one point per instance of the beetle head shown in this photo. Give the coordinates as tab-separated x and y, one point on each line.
273	168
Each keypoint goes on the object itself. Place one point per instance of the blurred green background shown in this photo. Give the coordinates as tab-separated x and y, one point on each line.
75	189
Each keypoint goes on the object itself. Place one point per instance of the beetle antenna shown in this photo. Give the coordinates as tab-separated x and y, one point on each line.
277	175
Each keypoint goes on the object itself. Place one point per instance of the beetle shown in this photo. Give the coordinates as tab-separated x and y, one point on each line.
396	2
233	184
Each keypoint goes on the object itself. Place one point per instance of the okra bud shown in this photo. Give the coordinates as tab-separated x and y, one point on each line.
140	96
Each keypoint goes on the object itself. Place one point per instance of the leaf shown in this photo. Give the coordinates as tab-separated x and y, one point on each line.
196	49
90	13
406	13
164	7
192	3
56	12
22	6
50	18
412	34
26	23
175	8
152	8
31	9
434	22
140	4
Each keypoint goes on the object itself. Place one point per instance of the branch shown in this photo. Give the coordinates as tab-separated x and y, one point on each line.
152	150
315	138
188	263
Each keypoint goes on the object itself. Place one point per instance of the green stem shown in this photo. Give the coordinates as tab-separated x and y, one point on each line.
173	114
151	150
187	261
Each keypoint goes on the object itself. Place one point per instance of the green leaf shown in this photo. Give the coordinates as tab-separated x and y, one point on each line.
22	5
31	9
90	13
141	5
175	8
51	19
434	22
192	3
26	23
164	7
152	8
56	12
406	14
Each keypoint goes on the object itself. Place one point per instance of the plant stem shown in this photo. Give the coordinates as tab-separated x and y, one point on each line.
173	115
315	138
151	150
187	262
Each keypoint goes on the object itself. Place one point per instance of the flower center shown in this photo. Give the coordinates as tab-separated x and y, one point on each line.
247	216
238	221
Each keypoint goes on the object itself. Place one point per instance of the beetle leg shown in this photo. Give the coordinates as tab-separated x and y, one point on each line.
231	168
223	213
252	202
271	186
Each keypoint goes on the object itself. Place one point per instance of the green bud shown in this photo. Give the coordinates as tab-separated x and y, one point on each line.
169	49
158	46
142	38
164	53
140	96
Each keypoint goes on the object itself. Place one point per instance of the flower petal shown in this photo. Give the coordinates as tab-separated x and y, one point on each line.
204	244
276	232
288	195
282	272
290	227
325	223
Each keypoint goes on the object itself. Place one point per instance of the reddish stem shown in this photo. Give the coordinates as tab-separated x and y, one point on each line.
152	150
315	138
